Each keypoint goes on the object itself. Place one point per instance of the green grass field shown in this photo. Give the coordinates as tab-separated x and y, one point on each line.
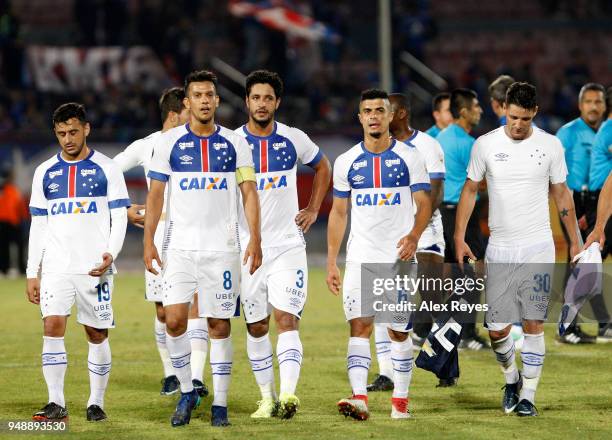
574	398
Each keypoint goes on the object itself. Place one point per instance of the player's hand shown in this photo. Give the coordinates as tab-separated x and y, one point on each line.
134	215
333	279
253	251
107	260
407	247
463	250
596	235
150	254
582	223
574	249
33	290
306	218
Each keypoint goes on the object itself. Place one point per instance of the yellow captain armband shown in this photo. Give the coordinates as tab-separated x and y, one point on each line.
244	174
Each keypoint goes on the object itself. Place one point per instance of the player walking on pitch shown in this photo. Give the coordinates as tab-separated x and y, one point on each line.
139	153
78	217
280	286
381	176
203	165
519	162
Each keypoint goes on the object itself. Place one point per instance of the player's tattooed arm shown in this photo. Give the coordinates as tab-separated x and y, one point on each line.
336	227
307	216
604	211
565	205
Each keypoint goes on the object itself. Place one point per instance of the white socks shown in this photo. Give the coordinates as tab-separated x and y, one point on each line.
99	364
260	355
401	355
358	364
54	364
289	353
160	338
383	350
533	358
221	354
197	330
505	355
180	354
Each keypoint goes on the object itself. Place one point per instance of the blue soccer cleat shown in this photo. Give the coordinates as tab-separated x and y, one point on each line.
187	403
219	416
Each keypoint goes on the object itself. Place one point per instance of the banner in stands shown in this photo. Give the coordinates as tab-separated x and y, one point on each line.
73	69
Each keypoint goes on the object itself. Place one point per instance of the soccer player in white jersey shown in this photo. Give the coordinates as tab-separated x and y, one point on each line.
203	164
280	285
384	178
430	252
520	162
139	153
78	206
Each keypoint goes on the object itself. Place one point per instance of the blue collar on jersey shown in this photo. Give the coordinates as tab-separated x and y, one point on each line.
248	133
366	151
59	157
217	129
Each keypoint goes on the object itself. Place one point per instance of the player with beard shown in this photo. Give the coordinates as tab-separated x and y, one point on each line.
280	285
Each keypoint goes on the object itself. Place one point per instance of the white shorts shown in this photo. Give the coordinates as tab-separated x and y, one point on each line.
214	275
358	305
518	284
280	282
432	239
58	293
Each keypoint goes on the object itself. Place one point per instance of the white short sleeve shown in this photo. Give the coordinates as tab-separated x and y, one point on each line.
558	168
132	156
342	187
419	178
38	201
434	160
477	167
307	151
244	155
116	194
160	162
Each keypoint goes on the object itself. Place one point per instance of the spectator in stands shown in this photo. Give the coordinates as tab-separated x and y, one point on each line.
13	213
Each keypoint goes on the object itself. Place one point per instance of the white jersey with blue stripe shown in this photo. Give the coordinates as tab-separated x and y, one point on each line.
201	211
433	155
77	198
380	187
276	158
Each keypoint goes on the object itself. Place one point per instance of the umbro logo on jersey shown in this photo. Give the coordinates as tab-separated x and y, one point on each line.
88	172
378	199
272	183
278	145
76	207
218	145
53	174
185	159
360	164
53	187
390	162
183	145
205	183
358	179
501	157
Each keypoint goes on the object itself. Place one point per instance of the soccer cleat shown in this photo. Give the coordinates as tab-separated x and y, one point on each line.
51	412
266	408
526	409
604	335
187	403
170	385
511	395
95	413
575	335
381	383
288	405
219	416
355	407
399	408
200	387
474	342
447	382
